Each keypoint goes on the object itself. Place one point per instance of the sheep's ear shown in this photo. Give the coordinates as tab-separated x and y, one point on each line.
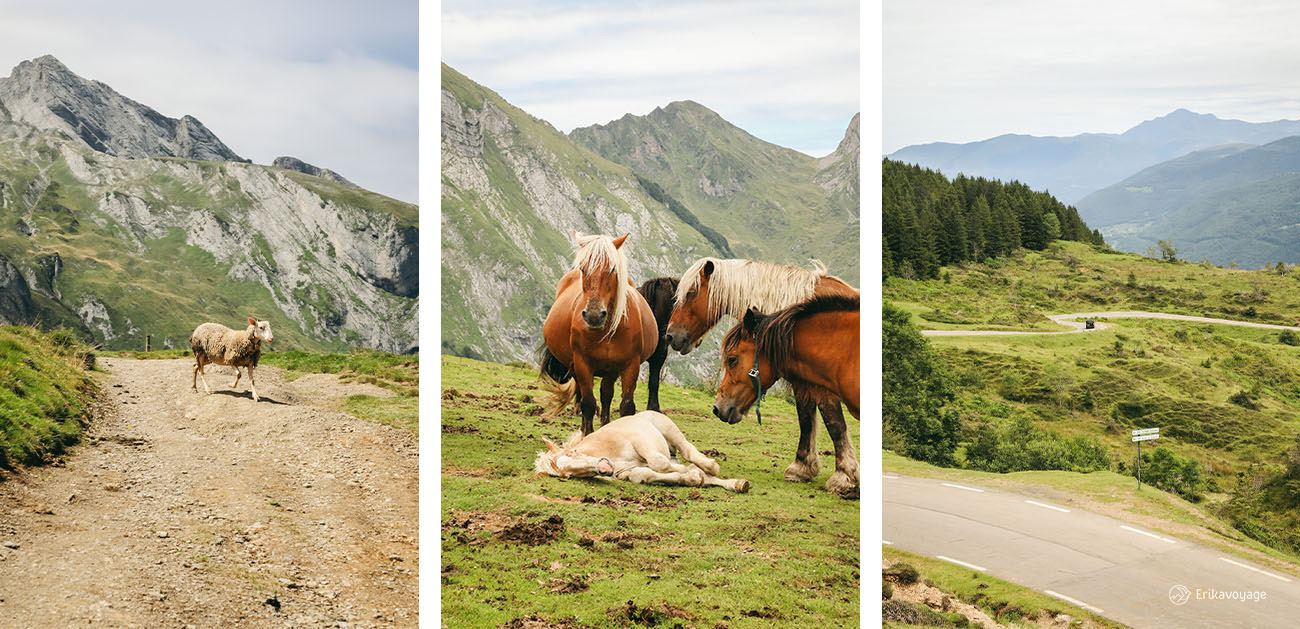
550	445
618	242
252	321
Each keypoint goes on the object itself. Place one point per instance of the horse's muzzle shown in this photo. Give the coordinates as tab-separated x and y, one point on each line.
729	415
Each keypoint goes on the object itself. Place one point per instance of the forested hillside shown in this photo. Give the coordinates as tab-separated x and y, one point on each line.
930	222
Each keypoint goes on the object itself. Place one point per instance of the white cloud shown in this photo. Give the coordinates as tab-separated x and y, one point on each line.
760	65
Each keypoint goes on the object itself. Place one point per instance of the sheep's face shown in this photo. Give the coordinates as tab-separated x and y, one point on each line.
262	330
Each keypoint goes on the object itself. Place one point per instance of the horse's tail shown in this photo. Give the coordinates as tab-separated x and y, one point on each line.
557	379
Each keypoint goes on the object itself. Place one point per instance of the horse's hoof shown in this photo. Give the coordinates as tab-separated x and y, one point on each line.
742	487
800	472
843	486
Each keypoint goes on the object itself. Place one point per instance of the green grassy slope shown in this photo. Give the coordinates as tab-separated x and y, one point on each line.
45	394
758	195
784	554
1224	396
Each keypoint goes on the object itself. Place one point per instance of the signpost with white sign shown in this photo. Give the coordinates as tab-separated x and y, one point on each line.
1140	435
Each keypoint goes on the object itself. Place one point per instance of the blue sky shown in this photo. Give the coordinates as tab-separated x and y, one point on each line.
786	72
334	83
967	71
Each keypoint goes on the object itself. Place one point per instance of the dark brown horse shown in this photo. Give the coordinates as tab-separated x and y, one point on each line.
660	293
711	288
599	326
814	347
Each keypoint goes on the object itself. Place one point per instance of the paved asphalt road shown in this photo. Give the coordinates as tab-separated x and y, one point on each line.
1116	570
1078	326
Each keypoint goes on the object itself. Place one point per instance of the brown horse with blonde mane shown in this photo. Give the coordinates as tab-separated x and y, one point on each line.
711	288
814	347
599	326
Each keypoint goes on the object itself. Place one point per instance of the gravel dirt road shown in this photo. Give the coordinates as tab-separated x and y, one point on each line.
182	509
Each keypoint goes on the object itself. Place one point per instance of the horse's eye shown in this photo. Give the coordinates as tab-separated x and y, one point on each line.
731	361
690	294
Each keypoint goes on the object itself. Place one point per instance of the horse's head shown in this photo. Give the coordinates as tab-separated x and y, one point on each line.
604	279
691	318
736	391
564	462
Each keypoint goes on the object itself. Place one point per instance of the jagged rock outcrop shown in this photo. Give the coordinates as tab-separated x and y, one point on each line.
293	163
16	306
840	173
45	94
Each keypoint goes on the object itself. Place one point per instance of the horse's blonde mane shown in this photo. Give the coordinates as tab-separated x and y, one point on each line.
597	252
545	461
736	285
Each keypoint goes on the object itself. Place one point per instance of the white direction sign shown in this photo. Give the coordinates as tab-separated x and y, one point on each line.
1146	431
1146	437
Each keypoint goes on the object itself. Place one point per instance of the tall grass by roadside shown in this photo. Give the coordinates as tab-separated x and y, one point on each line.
45	394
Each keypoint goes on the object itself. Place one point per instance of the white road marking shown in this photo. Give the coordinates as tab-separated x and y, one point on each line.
1047	506
1275	576
1163	539
887	542
964	487
961	563
1074	601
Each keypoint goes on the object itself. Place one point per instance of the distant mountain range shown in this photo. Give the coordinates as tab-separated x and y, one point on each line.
1073	167
683	181
1236	204
120	222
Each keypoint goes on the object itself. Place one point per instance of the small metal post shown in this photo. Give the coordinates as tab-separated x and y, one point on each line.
1139	466
146	342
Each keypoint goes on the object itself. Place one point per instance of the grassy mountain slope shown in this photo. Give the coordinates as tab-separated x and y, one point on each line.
785	554
1223	396
513	190
45	394
120	248
1227	204
765	199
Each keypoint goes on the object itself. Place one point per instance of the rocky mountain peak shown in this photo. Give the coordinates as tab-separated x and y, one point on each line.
848	145
43	93
295	164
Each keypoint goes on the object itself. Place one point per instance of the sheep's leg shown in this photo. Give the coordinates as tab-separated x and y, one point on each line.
204	377
237	374
252	384
692	478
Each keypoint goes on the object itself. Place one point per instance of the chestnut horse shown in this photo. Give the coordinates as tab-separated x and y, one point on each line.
711	288
660	293
599	326
814	347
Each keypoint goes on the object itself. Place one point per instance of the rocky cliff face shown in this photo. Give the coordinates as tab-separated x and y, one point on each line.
16	306
122	246
295	164
46	95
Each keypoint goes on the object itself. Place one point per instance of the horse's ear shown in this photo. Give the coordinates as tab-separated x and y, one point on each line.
576	236
707	270
751	320
618	242
550	445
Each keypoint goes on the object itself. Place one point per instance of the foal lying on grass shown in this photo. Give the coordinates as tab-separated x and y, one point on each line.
634	448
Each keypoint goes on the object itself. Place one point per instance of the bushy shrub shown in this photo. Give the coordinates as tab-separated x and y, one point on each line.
1021	447
1287	337
1166	470
917	390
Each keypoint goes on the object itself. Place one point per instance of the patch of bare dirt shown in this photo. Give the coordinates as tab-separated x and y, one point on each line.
534	533
651	615
940	601
458	430
567	585
187	509
647	502
533	621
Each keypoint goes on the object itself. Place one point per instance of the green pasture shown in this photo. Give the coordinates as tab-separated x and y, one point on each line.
46	394
604	553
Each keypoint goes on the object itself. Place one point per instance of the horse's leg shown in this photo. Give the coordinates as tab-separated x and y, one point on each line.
692	478
844	482
738	485
806	462
656	366
606	398
628	407
582	375
686	450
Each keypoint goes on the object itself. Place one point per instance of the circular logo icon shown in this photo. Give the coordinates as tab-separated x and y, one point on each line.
1179	595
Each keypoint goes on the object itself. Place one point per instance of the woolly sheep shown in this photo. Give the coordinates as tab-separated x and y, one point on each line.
216	344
